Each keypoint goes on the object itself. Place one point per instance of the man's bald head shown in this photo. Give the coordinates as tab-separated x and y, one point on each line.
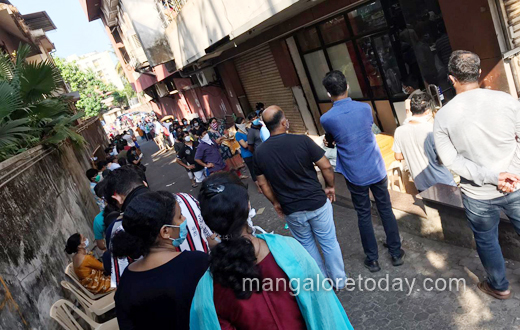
272	117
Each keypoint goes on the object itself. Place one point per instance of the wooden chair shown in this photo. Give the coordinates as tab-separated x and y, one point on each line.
70	273
92	307
62	312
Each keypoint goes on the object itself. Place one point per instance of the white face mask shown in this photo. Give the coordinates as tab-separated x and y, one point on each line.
86	242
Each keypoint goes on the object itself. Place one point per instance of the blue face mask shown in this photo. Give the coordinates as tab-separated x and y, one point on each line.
176	242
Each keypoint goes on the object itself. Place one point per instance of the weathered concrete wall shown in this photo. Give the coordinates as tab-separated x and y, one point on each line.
44	198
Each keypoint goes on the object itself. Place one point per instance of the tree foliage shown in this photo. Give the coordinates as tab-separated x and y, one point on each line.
91	89
120	99
129	92
30	111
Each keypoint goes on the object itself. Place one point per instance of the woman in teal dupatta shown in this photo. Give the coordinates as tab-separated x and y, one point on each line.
222	301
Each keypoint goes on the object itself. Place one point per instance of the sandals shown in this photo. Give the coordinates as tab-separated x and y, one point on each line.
194	185
484	287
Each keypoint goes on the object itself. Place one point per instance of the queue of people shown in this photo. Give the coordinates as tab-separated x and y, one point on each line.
173	255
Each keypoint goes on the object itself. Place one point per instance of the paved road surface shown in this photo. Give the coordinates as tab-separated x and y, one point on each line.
372	305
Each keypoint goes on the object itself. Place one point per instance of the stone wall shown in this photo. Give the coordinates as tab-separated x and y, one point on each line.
44	198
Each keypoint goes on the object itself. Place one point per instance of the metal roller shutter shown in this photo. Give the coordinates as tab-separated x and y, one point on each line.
262	82
511	12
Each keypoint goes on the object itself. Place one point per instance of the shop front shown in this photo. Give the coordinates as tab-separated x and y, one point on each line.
385	48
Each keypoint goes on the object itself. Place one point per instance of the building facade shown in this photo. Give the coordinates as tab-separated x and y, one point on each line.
101	64
277	52
30	29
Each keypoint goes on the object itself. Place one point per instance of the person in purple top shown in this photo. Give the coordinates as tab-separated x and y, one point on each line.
208	155
360	161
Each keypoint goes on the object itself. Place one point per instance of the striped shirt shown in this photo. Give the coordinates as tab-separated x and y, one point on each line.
196	239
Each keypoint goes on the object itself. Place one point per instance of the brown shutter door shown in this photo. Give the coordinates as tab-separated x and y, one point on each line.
263	83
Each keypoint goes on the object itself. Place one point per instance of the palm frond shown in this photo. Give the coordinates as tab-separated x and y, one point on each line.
6	67
14	132
50	108
37	82
21	55
60	133
10	100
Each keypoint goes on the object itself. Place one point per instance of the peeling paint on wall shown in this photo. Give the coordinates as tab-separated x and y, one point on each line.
9	302
149	26
44	198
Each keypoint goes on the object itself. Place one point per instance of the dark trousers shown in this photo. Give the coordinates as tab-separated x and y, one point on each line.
361	199
250	165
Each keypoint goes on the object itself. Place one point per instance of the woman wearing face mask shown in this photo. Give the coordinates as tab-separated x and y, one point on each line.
88	269
155	292
185	125
235	292
197	129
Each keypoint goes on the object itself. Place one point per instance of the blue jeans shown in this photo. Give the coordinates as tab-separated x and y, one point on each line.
361	199
484	217
309	226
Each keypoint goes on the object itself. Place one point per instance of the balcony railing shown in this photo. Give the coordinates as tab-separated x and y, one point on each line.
172	8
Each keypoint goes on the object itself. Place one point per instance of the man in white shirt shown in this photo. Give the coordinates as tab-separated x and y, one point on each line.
413	142
128	137
159	137
476	137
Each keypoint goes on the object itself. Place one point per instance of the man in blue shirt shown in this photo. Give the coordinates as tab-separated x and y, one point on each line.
360	161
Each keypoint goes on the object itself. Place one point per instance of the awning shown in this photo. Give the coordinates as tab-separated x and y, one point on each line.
92	8
39	20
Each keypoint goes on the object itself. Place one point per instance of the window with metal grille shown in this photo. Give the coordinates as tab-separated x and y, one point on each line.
135	40
173	7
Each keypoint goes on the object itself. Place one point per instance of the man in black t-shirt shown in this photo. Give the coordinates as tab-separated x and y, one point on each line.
285	163
186	159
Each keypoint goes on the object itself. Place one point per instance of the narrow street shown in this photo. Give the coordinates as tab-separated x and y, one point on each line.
416	107
371	305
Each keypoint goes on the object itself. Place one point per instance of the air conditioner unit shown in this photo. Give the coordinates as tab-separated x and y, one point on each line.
206	76
162	89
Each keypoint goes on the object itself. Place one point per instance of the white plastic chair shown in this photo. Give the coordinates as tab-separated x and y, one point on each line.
69	270
91	307
62	310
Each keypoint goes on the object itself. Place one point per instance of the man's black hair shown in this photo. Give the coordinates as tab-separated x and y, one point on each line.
464	66
420	102
99	189
91	173
274	121
259	106
330	140
122	181
251	116
100	164
335	83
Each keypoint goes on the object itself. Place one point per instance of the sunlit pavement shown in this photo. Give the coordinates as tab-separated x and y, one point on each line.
384	300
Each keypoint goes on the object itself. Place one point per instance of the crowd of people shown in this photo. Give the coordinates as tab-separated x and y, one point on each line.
181	262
